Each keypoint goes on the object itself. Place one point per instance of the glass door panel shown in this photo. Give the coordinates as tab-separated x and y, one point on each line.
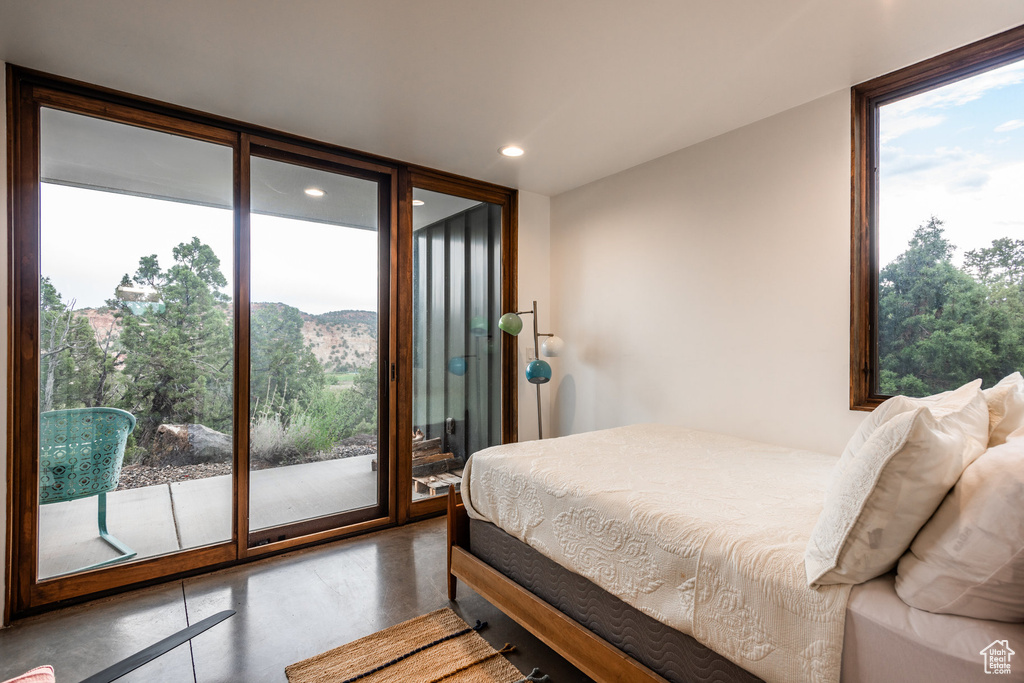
456	344
314	347
135	343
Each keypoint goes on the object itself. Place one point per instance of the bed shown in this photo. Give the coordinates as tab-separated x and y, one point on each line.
657	553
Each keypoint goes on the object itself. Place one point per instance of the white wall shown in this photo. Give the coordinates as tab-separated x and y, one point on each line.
710	287
534	284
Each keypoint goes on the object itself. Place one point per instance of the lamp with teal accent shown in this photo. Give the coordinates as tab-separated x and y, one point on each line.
537	371
457	365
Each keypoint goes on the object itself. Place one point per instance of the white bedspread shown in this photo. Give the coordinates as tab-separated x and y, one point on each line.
703	532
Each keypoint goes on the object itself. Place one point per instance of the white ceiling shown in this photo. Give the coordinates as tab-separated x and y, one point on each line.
588	87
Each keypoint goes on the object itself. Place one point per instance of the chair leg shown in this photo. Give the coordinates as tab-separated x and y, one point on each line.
101	519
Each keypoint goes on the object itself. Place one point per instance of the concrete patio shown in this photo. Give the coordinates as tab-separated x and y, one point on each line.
156	520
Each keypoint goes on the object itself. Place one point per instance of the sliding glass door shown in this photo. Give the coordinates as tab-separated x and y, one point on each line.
456	344
203	346
136	351
315	357
462	398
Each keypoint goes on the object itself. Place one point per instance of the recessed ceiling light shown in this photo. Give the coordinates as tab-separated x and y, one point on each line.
511	151
417	202
314	192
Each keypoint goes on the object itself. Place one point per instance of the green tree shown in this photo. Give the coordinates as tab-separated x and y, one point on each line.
178	357
70	360
1000	268
1001	265
938	326
338	415
285	372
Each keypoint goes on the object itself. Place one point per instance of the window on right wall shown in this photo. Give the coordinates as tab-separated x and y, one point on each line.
938	223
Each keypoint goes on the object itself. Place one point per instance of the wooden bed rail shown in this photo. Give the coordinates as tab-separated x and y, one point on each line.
588	652
458	534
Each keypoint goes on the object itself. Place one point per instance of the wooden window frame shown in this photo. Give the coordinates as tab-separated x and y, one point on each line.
26	89
866	98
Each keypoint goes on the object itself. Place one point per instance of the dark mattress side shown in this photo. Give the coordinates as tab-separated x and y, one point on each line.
674	655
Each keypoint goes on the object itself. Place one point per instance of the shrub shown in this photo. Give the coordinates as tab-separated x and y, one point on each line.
337	415
273	440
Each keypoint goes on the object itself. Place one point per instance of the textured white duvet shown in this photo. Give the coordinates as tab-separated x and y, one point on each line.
703	532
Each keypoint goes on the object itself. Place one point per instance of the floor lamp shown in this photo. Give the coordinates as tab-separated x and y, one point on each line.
538	371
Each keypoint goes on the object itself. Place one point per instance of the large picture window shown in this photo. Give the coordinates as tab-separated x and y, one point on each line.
938	227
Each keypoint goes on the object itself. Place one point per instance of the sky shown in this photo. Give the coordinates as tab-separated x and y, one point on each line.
90	239
957	153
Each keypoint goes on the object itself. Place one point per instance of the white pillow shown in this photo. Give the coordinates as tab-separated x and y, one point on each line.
897	405
890	484
1005	408
969	558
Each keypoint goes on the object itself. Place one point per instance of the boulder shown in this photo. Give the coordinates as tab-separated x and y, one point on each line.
188	444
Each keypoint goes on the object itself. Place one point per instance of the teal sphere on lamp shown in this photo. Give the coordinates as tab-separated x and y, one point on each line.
511	323
457	366
538	372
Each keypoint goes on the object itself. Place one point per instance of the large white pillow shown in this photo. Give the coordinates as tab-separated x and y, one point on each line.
969	558
889	484
1005	408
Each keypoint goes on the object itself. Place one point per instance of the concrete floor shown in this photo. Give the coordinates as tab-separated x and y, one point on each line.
155	520
289	608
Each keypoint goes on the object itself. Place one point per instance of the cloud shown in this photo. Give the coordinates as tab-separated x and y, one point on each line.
1012	124
906	115
895	124
896	162
967	90
969	181
978	201
953	169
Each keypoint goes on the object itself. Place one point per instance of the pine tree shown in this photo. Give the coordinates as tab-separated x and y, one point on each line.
285	372
178	357
939	327
70	360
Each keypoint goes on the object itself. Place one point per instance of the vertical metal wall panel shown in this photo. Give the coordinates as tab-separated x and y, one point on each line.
494	342
459	343
456	308
437	352
421	260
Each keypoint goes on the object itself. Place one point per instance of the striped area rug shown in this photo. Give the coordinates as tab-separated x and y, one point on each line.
430	649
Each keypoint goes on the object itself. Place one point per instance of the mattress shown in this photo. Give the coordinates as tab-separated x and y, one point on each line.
674	655
888	640
703	532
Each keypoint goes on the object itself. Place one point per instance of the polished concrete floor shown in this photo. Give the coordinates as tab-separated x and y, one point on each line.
289	608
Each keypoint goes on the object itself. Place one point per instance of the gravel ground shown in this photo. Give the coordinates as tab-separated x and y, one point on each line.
137	476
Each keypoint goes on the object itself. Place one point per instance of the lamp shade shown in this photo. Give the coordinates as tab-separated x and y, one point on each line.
538	372
511	323
478	326
552	346
457	366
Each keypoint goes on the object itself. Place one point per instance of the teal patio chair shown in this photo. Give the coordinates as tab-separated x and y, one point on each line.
80	455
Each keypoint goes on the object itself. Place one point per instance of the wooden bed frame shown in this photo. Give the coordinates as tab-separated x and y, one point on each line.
591	654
